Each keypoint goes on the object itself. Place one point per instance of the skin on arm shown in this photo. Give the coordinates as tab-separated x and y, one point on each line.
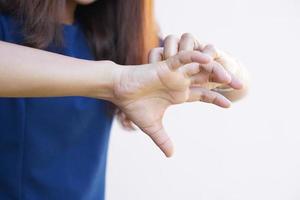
143	92
156	86
29	72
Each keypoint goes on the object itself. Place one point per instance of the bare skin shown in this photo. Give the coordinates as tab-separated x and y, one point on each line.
173	45
145	100
143	93
187	42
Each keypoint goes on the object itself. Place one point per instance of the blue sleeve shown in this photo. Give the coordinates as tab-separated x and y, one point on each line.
1	28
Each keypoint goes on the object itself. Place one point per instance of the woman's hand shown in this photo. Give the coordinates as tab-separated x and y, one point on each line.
187	42
144	93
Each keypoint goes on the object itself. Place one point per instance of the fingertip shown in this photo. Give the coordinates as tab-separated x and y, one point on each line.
236	84
169	154
227	105
223	78
168	150
223	102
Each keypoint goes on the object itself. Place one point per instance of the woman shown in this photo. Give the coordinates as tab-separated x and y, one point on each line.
64	64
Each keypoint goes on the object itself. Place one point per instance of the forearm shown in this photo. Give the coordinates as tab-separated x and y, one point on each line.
28	72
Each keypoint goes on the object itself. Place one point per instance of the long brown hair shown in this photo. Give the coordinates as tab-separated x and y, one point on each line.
119	30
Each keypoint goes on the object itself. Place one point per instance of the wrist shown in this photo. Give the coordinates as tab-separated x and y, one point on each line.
101	78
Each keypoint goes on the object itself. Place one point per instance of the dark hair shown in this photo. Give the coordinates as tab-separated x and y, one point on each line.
119	30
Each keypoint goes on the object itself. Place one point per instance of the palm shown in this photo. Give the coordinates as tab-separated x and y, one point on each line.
165	87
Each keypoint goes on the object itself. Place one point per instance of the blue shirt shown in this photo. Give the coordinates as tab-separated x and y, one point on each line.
53	148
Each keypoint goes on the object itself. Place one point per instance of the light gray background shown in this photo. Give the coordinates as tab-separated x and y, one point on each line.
251	151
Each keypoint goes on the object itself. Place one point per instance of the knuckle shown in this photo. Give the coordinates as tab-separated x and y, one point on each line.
155	54
208	67
164	141
171	38
187	36
210	97
213	49
206	97
200	98
152	51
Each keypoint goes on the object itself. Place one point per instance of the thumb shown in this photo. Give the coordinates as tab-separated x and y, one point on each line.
159	136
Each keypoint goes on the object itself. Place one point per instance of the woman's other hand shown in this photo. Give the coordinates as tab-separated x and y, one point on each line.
188	42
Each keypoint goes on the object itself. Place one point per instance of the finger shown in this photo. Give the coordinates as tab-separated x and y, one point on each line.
200	45
186	57
208	96
235	83
156	55
232	66
170	46
216	72
191	69
199	79
119	115
125	121
220	75
220	56
159	136
203	80
187	42
128	124
121	118
212	51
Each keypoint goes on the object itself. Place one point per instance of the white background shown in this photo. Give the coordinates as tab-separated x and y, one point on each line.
249	152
